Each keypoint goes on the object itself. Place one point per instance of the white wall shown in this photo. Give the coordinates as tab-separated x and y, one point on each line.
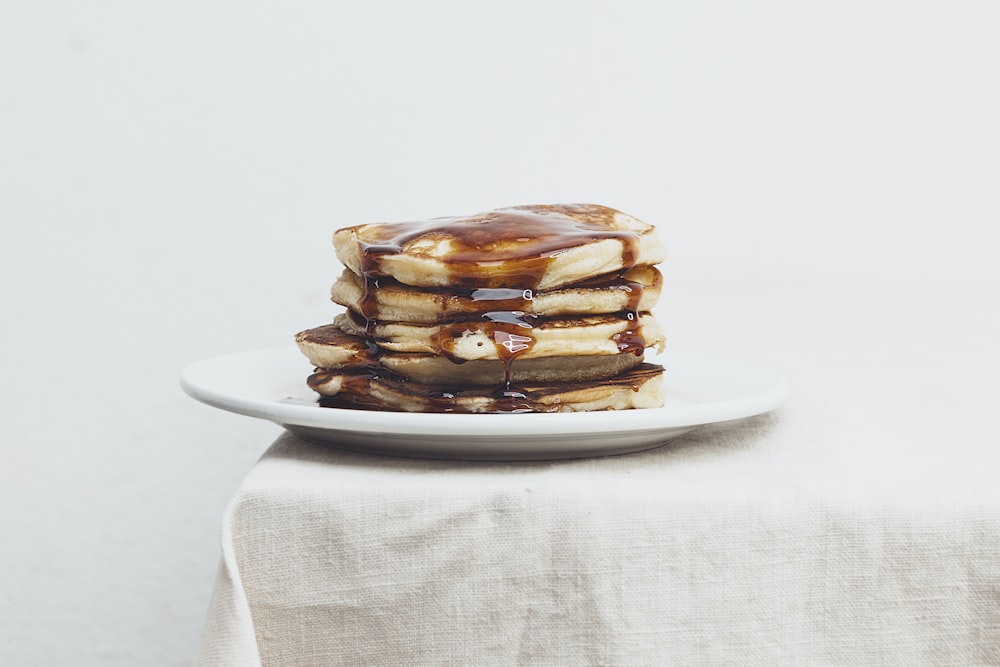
170	174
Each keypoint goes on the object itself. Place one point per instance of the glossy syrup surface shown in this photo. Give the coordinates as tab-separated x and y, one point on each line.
508	248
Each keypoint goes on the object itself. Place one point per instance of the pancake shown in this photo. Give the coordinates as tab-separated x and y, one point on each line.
329	348
542	308
637	289
506	335
640	387
537	247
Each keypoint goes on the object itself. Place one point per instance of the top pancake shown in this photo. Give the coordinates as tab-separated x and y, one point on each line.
536	247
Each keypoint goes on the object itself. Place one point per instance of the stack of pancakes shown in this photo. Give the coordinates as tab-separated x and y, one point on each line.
540	308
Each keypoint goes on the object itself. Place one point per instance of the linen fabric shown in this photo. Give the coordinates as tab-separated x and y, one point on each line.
336	558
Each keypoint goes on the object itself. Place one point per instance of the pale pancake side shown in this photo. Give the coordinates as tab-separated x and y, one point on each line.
328	346
396	302
431	369
472	339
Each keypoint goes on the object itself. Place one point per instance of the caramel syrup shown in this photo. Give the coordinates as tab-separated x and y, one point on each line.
631	341
506	248
509	331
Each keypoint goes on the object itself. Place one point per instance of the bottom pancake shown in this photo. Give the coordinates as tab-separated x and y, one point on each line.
640	387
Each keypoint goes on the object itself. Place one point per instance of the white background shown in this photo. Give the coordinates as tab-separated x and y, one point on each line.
170	175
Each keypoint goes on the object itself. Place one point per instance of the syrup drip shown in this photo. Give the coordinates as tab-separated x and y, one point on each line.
509	337
631	340
508	330
370	255
369	311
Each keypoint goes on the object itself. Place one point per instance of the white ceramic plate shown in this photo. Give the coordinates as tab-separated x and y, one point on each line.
270	384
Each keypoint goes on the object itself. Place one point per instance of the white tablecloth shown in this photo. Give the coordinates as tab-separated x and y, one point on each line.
859	524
